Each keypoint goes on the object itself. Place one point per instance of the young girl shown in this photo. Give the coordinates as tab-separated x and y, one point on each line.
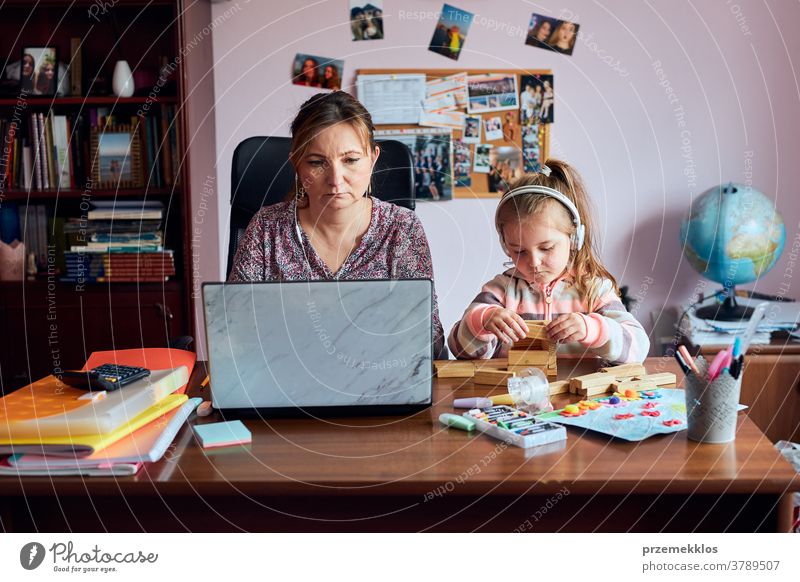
545	227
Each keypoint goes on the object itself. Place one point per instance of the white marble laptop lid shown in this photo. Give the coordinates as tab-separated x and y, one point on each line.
319	343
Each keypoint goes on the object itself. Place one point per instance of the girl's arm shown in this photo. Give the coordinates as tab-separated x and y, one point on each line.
613	333
468	338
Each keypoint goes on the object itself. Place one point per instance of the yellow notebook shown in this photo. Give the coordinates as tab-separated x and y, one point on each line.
83	445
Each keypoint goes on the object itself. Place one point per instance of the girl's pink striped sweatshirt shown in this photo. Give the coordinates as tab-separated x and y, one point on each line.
612	333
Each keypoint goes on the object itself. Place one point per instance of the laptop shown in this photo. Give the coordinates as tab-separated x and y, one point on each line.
320	348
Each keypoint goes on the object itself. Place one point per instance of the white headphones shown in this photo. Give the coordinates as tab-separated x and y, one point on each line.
576	239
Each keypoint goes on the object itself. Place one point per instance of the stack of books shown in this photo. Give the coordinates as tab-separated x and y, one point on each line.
121	241
47	429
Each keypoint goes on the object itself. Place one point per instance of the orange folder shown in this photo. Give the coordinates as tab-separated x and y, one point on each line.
150	358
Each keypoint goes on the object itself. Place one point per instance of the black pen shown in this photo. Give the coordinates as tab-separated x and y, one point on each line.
682	364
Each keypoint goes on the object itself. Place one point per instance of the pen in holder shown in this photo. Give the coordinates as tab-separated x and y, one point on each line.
711	407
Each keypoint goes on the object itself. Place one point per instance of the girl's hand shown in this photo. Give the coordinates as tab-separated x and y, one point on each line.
507	325
569	327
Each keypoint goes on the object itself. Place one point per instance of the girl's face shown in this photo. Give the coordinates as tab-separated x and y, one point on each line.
335	171
308	69
538	245
328	72
544	31
566	32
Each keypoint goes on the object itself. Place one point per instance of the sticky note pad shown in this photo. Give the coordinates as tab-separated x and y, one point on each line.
222	434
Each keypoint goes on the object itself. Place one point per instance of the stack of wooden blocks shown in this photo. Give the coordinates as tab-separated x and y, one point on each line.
535	351
619	379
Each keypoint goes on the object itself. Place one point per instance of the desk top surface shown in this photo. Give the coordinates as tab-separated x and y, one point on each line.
415	455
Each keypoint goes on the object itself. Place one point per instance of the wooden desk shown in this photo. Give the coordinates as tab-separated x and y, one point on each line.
411	474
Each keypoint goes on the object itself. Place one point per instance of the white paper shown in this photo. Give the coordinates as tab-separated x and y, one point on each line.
392	98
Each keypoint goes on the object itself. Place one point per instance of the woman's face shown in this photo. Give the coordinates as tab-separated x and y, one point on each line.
27	65
328	72
308	68
566	32
544	31
335	170
49	71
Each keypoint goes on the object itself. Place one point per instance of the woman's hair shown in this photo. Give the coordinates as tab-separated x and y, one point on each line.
43	84
325	110
587	268
538	27
333	82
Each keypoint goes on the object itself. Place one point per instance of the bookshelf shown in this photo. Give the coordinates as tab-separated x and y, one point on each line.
49	321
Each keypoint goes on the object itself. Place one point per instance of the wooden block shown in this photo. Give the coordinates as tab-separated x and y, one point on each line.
521	367
454	368
625	370
536	329
492	377
528	358
634	385
661	378
493	364
592	380
594	390
559	387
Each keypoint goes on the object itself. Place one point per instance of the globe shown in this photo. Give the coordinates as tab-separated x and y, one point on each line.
733	234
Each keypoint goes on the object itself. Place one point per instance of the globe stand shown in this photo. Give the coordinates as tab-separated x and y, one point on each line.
730	310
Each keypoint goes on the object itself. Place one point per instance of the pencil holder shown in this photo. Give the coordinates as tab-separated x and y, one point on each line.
711	407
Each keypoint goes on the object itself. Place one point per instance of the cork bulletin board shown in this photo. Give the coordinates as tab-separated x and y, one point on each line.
509	153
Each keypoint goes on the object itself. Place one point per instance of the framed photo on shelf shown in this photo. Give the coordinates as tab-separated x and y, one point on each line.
39	70
116	158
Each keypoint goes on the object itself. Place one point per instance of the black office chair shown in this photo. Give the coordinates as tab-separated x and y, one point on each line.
262	175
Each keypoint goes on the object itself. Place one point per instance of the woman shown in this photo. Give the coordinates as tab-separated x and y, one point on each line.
563	39
308	74
539	33
45	80
27	71
332	228
330	78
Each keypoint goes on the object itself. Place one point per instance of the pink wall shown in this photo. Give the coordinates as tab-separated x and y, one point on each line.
729	65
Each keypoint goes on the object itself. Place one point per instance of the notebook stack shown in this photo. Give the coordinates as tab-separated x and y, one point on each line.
46	429
121	241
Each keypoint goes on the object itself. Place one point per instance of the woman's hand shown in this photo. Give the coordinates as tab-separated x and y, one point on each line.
507	325
568	327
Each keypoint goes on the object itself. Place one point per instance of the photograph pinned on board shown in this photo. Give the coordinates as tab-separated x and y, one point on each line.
319	72
482	158
537	99
505	166
462	164
531	148
510	129
472	129
493	128
431	149
39	70
552	34
491	92
366	20
451	32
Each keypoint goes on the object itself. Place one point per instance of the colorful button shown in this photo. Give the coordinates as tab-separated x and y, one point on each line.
624	416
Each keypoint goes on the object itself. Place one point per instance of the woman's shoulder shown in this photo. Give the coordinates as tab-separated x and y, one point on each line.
274	214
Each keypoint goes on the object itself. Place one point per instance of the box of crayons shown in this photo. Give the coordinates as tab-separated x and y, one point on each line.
516	427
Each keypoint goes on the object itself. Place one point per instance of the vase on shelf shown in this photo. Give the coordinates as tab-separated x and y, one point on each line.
122	82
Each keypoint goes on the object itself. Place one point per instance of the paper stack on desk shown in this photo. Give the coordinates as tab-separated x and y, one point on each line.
47	430
780	316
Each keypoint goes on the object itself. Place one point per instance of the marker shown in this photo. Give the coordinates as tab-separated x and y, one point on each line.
502	399
455	421
688	359
472	403
684	368
736	348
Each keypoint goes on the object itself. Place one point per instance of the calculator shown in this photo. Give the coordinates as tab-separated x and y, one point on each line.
105	377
